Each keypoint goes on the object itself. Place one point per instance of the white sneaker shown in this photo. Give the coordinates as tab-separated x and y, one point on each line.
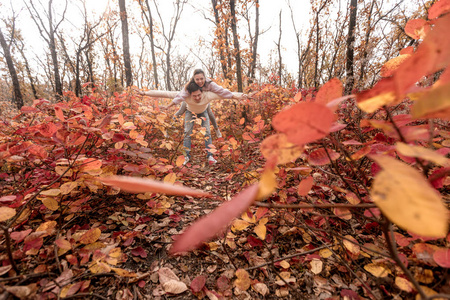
186	160
218	133
211	160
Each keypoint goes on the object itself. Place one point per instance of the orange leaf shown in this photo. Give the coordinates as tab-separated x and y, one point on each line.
439	8
90	164
305	186
330	90
277	145
390	66
6	213
59	113
304	122
91	236
243	281
417	28
142	185
207	227
319	157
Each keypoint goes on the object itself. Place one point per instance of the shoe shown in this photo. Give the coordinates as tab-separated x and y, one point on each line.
211	160
218	133
186	160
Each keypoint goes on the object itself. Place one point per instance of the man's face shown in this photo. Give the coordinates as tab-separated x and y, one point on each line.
199	79
197	96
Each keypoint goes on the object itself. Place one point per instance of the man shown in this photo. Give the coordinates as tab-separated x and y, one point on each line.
197	104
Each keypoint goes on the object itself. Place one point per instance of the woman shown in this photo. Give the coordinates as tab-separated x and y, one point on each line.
207	85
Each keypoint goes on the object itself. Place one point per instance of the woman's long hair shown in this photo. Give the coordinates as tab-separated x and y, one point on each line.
197	71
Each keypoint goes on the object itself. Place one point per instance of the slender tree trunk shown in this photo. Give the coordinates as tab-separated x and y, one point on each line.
280	60
220	36
126	43
27	67
54	55
350	48
236	45
152	44
255	44
18	99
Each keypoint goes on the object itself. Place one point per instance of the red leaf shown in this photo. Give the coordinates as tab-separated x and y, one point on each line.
139	251
439	8
304	122
305	186
330	90
223	283
142	185
442	257
198	283
59	113
319	157
417	28
349	294
18	236
215	222
254	242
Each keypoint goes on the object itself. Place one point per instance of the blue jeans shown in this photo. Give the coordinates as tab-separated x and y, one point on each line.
189	125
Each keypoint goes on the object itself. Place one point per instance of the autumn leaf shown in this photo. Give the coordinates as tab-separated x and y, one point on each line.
404	284
407	199
332	89
198	284
351	244
434	103
6	213
305	186
50	203
243	281
261	229
170	178
267	183
390	66
439	8
90	236
67	187
319	157
423	153
304	122
90	164
417	28
207	227
442	257
377	269
277	145
142	185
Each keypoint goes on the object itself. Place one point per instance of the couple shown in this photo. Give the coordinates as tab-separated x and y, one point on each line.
195	99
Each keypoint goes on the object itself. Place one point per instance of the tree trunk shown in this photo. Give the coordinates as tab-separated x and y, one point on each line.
220	36
236	46
18	99
126	43
54	55
280	61
255	44
350	48
152	44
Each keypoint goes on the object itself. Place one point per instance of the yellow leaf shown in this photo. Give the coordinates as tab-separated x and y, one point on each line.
423	153
316	266
325	253
239	225
91	236
377	270
51	192
124	273
374	103
267	184
284	264
99	267
243	280
180	160
407	199
67	187
261	230
170	178
404	284
389	67
49	227
6	213
351	244
277	145
429	292
435	103
50	203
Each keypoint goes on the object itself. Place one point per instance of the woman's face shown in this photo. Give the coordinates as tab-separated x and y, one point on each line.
199	79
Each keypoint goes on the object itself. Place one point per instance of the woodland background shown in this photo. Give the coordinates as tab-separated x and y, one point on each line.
332	182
